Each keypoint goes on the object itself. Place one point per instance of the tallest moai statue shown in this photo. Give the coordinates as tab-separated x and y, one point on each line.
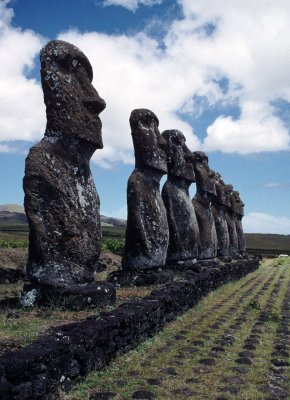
61	201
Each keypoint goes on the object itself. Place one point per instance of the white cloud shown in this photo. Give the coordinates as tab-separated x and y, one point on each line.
131	5
6	149
272	185
21	101
246	44
251	133
129	73
256	222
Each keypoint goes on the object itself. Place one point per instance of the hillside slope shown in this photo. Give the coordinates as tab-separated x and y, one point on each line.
12	215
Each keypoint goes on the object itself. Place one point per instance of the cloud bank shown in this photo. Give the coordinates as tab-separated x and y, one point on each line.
131	5
22	112
256	222
226	53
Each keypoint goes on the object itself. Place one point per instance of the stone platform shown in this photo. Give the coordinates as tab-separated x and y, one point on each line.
146	277
160	275
62	358
89	295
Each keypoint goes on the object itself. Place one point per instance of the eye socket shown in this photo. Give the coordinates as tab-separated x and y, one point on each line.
68	65
176	140
146	120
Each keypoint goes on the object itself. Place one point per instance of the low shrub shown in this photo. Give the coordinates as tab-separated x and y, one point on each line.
14	244
115	246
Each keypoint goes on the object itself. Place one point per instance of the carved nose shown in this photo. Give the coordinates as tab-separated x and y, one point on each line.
96	105
188	156
162	142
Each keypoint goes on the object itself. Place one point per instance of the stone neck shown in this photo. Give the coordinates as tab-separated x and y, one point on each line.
79	151
150	173
203	198
179	182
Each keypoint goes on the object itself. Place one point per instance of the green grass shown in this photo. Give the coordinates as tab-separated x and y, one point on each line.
112	238
116	246
269	244
162	351
13	236
267	241
13	244
24	325
113	232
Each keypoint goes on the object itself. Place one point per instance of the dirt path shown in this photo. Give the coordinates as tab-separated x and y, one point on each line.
233	345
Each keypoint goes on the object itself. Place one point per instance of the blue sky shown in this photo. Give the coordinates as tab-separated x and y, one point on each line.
216	70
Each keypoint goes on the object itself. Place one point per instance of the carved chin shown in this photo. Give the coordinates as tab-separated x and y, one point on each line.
91	132
95	138
184	171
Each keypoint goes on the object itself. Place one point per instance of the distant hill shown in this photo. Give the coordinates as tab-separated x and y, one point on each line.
7	217
13	208
268	241
109	221
12	216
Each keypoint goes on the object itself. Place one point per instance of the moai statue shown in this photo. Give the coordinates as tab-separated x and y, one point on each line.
219	204
61	202
147	233
238	207
205	190
183	227
230	215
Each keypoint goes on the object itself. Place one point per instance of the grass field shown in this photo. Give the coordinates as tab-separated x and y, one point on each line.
257	241
233	345
262	242
20	233
20	326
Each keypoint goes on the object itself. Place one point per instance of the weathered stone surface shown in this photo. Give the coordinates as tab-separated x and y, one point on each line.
234	244
143	394
183	227
205	185
147	233
238	214
62	358
145	277
79	297
219	204
61	201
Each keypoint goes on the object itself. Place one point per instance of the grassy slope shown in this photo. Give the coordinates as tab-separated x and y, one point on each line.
21	326
253	240
267	241
177	347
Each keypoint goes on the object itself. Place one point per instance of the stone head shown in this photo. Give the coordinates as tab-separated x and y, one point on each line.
237	203
148	143
72	103
228	193
179	157
220	197
205	177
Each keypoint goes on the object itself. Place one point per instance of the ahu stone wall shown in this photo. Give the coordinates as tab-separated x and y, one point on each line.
62	359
